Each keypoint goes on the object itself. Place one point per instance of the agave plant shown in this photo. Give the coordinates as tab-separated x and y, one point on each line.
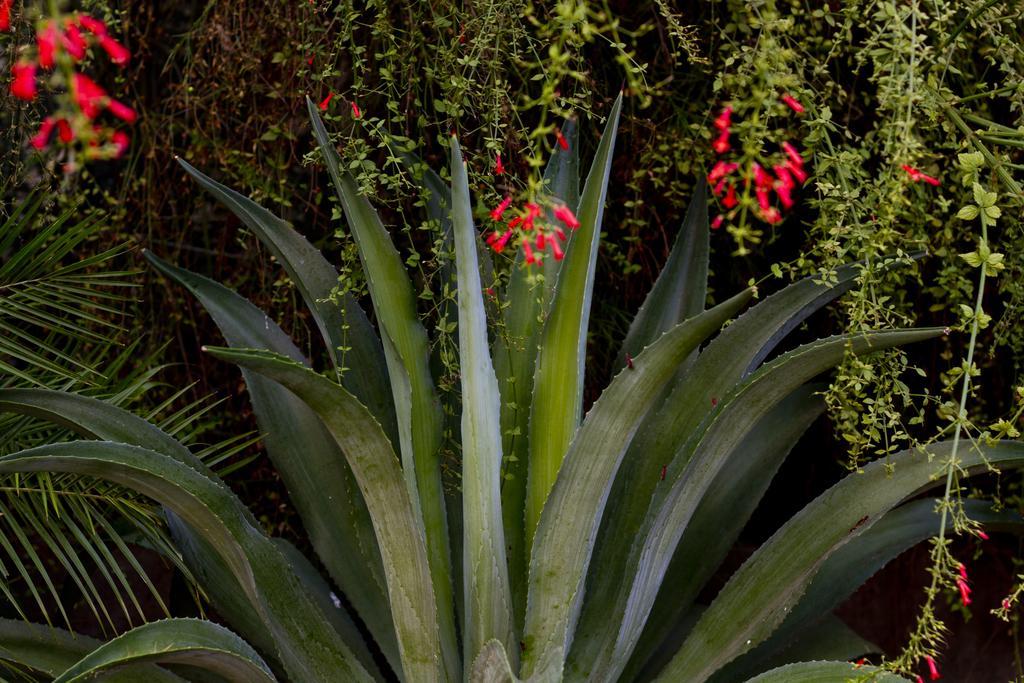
573	547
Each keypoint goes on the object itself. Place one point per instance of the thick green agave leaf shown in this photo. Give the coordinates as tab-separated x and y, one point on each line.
568	525
690	399
710	450
682	286
399	529
716	524
307	645
330	605
515	357
558	380
762	592
51	651
825	672
487	599
492	665
193	642
317	475
95	419
353	345
848	568
407	351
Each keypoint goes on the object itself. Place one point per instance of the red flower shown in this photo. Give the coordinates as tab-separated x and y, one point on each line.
565	214
499	168
785	195
729	201
92	25
120	140
762	179
528	251
89	96
917	176
121	111
933	671
42	138
5	15
117	52
46	40
721	143
24	84
562	142
64	131
798	172
497	241
355	111
717	223
1006	603
541	240
724	120
963	571
919	679
556	249
500	209
965	591
771	215
73	41
791	102
326	102
720	170
793	153
982	535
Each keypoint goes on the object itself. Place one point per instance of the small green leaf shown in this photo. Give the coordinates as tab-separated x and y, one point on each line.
968	213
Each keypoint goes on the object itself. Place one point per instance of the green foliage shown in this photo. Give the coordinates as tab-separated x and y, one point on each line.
590	584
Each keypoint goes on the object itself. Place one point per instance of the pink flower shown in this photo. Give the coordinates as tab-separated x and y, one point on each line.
92	25
798	172
771	215
791	102
717	223
794	155
1006	603
356	114
117	52
917	176
73	41
933	671
89	96
500	208
565	214
5	15
982	535
499	168
121	111
23	86
962	568
42	138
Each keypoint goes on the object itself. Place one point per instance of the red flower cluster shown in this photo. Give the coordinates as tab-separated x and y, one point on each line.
72	36
535	233
782	180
